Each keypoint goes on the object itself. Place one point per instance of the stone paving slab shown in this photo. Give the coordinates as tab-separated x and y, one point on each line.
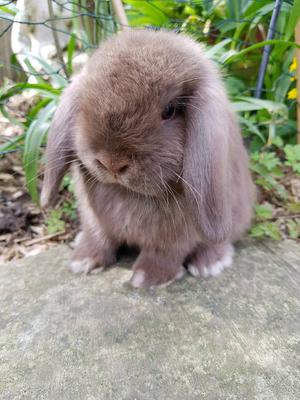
93	337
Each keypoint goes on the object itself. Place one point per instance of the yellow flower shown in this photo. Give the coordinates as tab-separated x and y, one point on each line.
293	66
292	94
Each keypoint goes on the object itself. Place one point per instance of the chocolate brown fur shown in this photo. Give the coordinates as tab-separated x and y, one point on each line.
173	187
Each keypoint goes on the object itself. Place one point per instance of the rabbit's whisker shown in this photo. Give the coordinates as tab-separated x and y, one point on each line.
179	208
194	191
41	173
171	192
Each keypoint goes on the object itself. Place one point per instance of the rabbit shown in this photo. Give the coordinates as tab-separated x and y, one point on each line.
157	157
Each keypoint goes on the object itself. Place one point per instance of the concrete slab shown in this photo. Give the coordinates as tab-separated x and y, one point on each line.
93	337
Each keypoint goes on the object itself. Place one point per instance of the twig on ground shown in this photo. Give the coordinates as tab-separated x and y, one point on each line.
43	238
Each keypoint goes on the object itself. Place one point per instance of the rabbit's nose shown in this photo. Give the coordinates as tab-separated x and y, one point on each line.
117	167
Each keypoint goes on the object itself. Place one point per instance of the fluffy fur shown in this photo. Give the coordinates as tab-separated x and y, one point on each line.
179	187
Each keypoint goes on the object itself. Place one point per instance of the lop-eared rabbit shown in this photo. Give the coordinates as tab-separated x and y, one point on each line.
157	157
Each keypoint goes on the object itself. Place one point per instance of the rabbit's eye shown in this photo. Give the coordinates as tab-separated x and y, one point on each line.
169	111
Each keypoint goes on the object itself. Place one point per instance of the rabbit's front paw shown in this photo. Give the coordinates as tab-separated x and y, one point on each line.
155	271
210	260
90	256
86	266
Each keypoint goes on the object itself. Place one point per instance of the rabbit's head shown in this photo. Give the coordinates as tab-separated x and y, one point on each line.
149	113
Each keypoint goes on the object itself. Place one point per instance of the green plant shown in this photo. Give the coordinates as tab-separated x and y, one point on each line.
292	154
235	32
54	222
58	218
266	229
35	126
267	167
271	173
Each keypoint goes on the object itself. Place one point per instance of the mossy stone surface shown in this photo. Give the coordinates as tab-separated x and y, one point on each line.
237	336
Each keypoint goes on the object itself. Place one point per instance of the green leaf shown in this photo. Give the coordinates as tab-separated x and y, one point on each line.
33	140
7	10
292	154
269	105
258	7
282	87
234	86
294	17
36	108
275	42
294	207
20	87
252	128
281	192
269	160
272	133
34	72
153	12
293	226
278	141
266	229
54	222
70	52
11	119
57	79
264	211
241	106
69	209
12	144
213	51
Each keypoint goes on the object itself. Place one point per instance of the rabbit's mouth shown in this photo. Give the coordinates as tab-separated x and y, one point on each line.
146	184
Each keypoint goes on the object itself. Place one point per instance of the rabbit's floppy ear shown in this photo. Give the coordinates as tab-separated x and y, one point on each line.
60	143
206	168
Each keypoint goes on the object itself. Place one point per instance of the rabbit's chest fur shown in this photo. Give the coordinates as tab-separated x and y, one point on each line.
137	219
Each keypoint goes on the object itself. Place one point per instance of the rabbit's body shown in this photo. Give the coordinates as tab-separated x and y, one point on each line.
135	219
159	159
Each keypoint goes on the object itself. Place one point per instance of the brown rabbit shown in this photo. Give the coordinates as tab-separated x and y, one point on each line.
157	156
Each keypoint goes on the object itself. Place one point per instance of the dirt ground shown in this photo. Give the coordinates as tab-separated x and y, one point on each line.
24	227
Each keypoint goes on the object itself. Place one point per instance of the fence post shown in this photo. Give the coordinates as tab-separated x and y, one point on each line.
5	51
297	40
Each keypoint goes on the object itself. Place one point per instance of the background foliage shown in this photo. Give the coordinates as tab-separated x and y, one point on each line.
234	32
